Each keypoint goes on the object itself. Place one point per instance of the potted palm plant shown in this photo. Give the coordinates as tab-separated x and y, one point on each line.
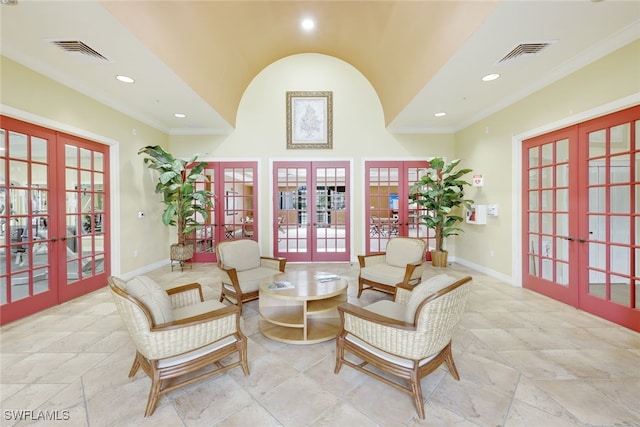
440	192
184	204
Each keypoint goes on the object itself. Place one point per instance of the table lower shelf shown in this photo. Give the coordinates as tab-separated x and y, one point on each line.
318	330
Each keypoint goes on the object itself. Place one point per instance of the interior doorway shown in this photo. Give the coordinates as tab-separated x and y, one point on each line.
233	213
389	213
311	210
581	216
54	224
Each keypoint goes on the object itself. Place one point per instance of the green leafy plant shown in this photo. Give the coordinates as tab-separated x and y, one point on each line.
177	184
441	192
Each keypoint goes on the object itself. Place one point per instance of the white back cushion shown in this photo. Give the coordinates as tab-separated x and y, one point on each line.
153	297
423	290
240	254
402	251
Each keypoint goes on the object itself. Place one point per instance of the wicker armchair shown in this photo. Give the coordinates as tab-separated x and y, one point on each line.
176	333
407	338
242	268
403	262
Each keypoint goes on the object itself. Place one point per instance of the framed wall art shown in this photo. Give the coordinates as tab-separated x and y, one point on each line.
309	120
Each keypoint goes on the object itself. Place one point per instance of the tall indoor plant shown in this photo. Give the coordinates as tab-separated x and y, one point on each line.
441	193
184	204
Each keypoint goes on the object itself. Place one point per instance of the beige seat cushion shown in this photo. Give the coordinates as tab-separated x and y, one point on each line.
383	273
250	279
196	309
422	290
240	254
388	308
153	297
401	251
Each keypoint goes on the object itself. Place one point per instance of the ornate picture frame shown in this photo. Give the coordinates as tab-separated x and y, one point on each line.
309	120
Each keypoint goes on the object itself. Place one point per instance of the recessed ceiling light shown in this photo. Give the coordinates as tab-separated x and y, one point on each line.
440	114
490	77
125	79
308	24
180	115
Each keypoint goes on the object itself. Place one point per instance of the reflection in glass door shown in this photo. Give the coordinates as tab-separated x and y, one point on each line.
25	217
233	213
390	214
311	211
53	228
85	229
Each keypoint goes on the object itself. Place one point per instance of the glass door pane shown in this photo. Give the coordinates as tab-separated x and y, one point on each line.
551	231
291	210
330	224
24	217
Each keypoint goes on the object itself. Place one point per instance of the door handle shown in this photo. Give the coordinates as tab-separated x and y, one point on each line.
581	240
54	239
571	239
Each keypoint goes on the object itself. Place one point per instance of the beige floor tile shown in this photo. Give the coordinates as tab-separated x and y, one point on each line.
208	402
523	415
298	401
381	403
252	415
591	404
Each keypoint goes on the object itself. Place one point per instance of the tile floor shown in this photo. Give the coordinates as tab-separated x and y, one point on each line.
524	360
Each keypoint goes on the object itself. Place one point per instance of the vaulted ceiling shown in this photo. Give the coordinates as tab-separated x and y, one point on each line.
421	57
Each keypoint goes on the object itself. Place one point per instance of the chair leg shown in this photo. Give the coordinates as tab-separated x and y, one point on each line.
360	287
243	358
339	354
154	394
135	366
450	363
416	392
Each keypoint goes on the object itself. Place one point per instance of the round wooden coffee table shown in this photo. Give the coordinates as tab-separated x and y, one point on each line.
304	313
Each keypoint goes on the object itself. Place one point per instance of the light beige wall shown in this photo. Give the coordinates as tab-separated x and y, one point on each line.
57	106
358	130
487	147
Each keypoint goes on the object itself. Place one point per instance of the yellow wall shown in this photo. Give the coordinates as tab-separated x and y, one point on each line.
487	147
358	131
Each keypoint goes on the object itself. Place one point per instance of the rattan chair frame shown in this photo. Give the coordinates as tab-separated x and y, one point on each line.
231	289
412	275
357	318
208	327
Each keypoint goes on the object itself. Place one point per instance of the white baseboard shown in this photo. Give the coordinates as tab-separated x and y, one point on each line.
484	270
146	269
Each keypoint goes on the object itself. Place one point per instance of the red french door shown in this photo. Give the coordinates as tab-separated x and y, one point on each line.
54	226
234	209
609	229
311	211
552	260
389	212
582	217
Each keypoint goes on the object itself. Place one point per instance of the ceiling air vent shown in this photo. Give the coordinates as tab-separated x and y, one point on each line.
524	50
78	48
